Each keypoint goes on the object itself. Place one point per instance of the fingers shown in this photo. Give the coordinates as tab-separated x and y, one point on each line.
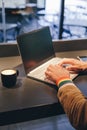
49	70
52	67
49	74
73	69
67	61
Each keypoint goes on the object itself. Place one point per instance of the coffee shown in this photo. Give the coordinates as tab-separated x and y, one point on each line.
8	72
9	77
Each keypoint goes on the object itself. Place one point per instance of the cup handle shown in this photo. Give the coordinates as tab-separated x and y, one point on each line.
17	71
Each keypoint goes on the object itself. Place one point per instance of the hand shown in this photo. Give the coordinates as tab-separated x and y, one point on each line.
74	65
54	72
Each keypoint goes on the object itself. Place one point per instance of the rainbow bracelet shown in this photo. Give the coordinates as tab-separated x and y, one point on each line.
60	82
64	82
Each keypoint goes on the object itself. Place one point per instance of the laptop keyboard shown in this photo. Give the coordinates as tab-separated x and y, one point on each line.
39	72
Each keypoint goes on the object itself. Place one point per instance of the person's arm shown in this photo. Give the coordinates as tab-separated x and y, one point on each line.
74	104
71	98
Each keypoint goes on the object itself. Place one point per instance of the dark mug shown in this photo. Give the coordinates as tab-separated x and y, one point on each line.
9	77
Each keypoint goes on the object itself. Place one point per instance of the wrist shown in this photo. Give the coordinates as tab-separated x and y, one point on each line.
63	80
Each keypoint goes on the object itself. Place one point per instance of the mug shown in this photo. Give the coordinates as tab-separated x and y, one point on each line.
9	77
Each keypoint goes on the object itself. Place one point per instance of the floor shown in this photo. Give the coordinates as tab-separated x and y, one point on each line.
51	123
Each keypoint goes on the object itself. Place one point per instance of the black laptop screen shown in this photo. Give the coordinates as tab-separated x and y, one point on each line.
35	47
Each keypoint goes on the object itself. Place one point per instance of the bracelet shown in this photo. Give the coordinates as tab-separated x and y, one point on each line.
61	79
64	82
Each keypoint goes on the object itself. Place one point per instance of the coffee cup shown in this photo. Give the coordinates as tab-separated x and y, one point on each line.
9	77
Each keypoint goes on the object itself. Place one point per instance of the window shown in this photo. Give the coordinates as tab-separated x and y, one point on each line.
74	25
75	19
41	4
12	3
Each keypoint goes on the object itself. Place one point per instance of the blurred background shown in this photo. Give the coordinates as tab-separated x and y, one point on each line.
67	19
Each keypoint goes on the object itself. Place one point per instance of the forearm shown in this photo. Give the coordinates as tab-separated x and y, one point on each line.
74	104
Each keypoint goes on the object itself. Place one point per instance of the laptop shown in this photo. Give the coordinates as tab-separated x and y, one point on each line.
37	52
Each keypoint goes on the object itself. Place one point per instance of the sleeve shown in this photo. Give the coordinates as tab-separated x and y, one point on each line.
74	104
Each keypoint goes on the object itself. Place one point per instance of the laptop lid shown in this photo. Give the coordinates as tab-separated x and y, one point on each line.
35	47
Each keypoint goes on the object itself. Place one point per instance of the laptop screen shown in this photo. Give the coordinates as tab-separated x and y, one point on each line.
35	47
